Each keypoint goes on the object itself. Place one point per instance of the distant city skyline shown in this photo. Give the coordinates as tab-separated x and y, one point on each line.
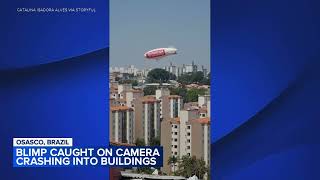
139	26
164	65
176	69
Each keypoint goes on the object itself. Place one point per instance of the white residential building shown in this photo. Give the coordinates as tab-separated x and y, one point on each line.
121	124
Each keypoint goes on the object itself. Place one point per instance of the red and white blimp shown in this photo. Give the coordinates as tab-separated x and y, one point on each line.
160	53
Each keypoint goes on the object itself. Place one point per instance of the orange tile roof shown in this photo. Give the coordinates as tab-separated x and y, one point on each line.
136	90
149	99
114	87
174	97
192	104
120	108
205	120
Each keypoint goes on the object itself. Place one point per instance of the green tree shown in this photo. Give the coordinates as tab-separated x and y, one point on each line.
193	94
189	166
158	75
197	77
186	166
140	142
185	79
200	168
173	161
190	95
149	90
180	91
144	170
129	81
193	77
206	80
134	83
155	141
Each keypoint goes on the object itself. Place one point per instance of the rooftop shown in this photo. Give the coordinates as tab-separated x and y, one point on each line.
120	108
113	90
149	99
174	97
136	90
205	120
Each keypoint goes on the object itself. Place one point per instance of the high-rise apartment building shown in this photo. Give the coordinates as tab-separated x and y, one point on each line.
188	134
121	124
150	118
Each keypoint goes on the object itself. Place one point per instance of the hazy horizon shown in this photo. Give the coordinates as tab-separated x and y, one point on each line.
139	26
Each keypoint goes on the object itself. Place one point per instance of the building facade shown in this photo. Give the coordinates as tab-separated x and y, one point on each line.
187	135
150	118
121	124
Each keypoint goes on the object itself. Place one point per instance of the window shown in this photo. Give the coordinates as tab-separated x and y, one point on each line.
175	140
188	147
175	146
188	134
189	127
175	126
188	140
175	133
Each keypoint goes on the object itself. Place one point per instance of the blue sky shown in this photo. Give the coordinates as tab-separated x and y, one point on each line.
140	25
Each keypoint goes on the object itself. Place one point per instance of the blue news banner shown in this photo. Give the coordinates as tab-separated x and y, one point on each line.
48	152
